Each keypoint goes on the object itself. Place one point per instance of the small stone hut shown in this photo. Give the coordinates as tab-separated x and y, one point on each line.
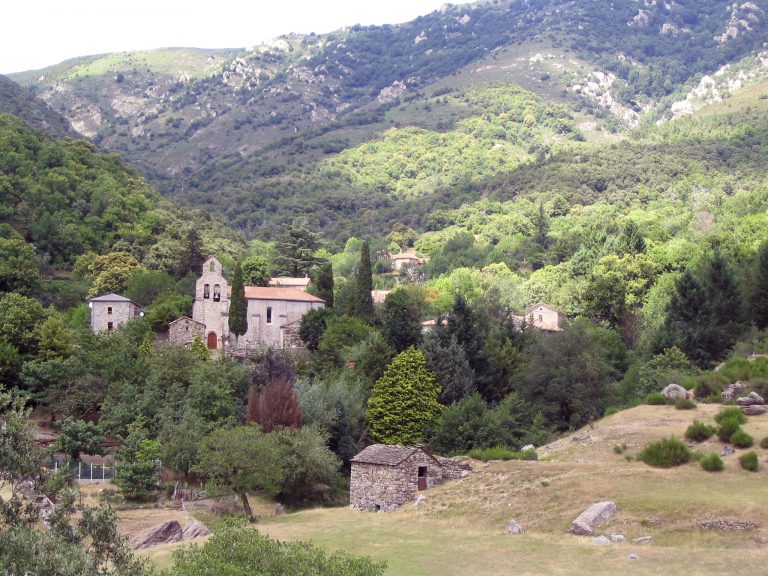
385	477
183	330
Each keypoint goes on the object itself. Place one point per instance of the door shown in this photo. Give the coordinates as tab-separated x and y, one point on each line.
213	342
422	477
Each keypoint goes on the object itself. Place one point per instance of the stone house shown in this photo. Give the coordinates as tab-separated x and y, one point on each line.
272	312
295	283
400	260
183	330
110	311
542	317
385	477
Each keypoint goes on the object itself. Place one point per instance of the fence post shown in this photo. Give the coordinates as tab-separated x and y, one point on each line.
79	469
91	471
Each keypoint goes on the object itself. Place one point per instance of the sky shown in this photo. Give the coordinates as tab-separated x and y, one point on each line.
39	33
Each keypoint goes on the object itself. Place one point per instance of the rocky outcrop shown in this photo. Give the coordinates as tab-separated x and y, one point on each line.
163	533
195	530
733	390
755	410
513	527
754	399
592	517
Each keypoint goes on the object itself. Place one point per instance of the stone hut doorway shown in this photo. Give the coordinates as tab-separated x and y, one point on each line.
213	341
422	478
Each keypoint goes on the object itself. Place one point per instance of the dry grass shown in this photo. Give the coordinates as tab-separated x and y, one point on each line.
461	528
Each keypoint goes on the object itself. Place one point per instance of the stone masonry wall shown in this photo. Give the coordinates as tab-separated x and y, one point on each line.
121	313
389	487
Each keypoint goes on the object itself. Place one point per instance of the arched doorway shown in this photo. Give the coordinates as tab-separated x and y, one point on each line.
213	341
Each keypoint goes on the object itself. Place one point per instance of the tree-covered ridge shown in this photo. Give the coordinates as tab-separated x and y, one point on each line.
15	100
510	125
65	199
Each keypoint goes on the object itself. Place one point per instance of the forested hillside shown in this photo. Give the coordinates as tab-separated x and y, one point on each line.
257	128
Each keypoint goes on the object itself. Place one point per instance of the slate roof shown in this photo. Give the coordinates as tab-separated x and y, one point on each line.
388	455
271	293
111	298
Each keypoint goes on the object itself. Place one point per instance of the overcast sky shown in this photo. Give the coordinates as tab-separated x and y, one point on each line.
39	33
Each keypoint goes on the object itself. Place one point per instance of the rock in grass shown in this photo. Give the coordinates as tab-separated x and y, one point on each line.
602	540
513	527
617	538
195	530
633	557
643	540
674	392
754	399
754	410
593	516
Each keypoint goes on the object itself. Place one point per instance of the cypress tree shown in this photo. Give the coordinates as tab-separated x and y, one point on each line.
324	284
362	301
724	296
192	257
238	321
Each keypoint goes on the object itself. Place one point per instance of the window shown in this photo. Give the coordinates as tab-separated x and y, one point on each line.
216	293
109	309
269	315
110	326
212	266
207	291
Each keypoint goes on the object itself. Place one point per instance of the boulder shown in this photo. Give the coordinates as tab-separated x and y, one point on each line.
602	540
45	509
528	448
617	538
674	392
754	410
727	451
162	533
643	540
633	557
593	516
754	399
733	390
195	530
514	528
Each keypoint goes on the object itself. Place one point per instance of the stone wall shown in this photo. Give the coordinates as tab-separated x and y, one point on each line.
183	330
118	313
281	312
385	488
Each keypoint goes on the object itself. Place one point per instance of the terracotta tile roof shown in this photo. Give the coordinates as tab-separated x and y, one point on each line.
387	455
272	293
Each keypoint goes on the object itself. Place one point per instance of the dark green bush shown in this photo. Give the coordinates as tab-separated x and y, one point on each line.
711	462
741	439
685	404
732	412
611	410
698	431
727	428
655	399
748	461
764	443
709	387
502	453
665	453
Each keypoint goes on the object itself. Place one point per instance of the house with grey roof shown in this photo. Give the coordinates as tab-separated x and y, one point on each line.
110	311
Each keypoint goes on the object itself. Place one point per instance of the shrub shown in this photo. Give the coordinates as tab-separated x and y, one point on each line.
685	404
741	439
730	412
737	369
619	448
611	410
698	431
502	453
727	428
764	443
708	389
665	453
655	399
748	461
711	463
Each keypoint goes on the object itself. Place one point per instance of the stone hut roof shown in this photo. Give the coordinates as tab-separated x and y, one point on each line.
388	455
111	298
186	318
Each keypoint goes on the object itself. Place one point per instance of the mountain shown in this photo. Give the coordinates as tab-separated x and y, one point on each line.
15	100
265	134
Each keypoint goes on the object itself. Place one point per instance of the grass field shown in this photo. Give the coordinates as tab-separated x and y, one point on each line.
461	528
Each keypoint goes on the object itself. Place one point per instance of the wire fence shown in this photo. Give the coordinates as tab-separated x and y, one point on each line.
87	472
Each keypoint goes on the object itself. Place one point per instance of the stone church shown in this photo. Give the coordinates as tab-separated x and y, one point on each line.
273	313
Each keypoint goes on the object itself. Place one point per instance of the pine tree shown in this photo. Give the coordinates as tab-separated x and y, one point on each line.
724	296
238	321
403	402
760	288
324	284
631	240
192	257
296	250
401	323
361	305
